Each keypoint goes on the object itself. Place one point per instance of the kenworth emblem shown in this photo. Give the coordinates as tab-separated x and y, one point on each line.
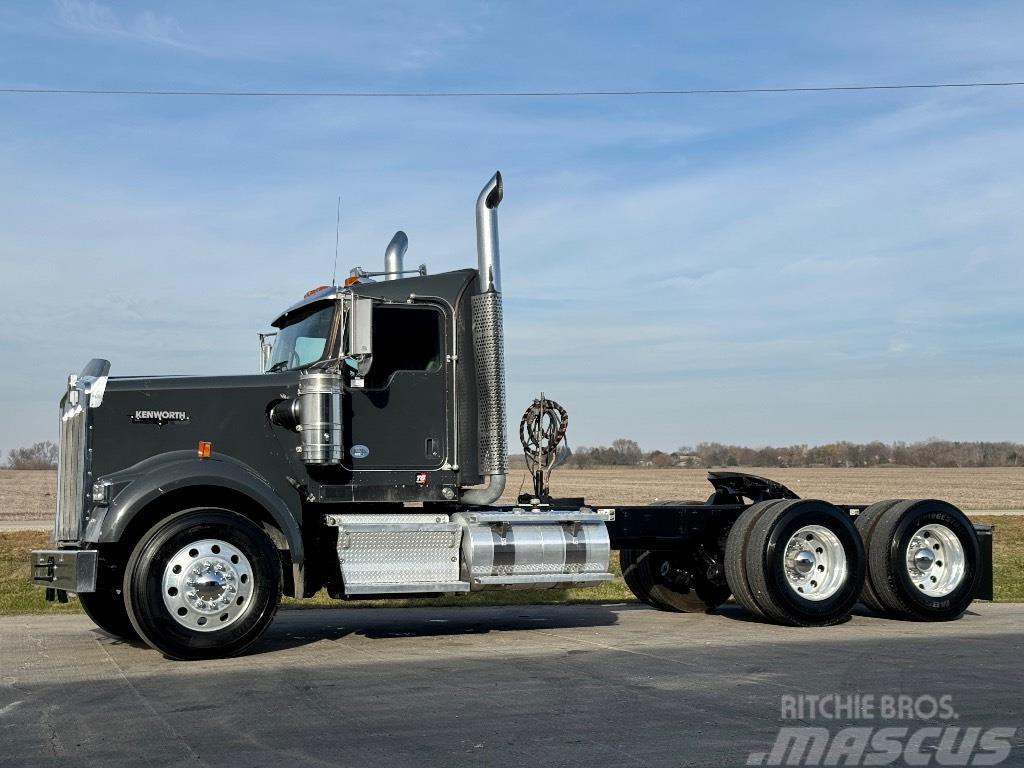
158	417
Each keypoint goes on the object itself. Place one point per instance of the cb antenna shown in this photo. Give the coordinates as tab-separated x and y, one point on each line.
337	236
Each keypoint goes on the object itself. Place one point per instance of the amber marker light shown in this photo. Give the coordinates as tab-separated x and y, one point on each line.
204	449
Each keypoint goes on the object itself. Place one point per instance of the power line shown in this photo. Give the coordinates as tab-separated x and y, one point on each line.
500	94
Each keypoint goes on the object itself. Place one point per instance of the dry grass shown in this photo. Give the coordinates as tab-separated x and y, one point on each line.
1007	541
17	594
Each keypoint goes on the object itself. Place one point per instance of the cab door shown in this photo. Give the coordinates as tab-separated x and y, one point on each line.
399	419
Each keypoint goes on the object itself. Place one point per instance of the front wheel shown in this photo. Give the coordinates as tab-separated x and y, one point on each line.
203	584
108	612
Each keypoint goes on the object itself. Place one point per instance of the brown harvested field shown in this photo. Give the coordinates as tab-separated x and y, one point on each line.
970	489
29	495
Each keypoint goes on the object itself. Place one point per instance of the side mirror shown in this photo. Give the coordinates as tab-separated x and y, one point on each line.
358	346
266	347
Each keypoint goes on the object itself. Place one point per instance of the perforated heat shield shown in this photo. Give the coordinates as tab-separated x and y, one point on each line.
489	353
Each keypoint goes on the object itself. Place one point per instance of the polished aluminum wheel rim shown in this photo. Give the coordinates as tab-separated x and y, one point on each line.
815	563
935	560
208	585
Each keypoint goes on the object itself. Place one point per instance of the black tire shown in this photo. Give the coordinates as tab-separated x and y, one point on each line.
705	596
888	570
642	572
865	523
735	559
766	563
636	574
145	574
108	612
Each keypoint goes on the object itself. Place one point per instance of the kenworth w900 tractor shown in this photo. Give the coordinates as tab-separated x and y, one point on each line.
367	458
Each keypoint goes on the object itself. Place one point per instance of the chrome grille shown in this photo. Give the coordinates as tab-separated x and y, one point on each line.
72	468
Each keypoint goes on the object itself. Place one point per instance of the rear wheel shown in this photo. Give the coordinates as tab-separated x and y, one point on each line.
866	522
735	549
923	560
804	563
203	584
108	612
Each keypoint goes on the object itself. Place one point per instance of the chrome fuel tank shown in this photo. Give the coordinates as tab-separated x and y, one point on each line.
534	548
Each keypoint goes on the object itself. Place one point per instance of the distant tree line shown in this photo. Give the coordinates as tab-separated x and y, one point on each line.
928	453
627	453
38	456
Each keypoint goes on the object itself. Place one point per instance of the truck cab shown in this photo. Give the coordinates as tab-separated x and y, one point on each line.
364	458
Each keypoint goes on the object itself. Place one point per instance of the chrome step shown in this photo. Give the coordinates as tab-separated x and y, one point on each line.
545	579
412	588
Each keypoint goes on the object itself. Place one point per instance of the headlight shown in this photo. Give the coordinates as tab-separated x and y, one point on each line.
101	492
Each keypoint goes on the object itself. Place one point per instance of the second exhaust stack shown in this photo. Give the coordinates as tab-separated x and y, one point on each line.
394	256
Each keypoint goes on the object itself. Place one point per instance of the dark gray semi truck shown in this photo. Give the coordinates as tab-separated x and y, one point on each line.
367	458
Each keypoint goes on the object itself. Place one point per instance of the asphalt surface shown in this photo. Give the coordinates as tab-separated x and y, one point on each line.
520	686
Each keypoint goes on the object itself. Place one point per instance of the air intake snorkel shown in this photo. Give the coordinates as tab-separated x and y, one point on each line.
488	350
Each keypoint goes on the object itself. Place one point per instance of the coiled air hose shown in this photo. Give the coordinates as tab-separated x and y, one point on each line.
541	431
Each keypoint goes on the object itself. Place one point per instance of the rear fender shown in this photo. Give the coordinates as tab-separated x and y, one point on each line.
732	487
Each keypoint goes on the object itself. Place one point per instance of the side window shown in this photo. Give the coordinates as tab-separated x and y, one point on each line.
405	338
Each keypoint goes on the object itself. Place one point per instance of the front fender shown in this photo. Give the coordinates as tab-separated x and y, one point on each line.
138	486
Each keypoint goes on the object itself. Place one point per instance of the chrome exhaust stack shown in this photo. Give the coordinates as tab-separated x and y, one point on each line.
489	350
487	257
394	256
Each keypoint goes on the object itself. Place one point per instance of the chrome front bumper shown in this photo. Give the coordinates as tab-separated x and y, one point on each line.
68	570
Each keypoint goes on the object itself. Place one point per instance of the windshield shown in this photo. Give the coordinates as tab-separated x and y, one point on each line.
303	341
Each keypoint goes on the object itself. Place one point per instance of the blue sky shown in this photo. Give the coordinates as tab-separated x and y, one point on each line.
754	269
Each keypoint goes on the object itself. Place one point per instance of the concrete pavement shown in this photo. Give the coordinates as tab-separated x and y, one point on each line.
520	686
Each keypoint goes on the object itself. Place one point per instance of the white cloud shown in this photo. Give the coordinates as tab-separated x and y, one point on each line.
93	18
